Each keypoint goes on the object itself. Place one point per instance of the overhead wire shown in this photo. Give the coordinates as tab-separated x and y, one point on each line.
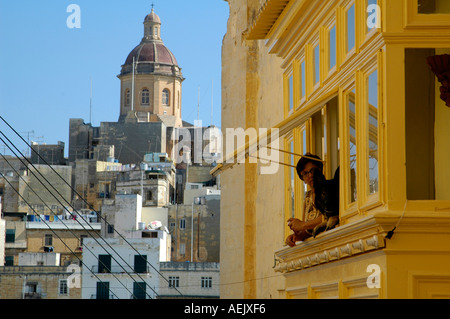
54	213
84	200
51	210
52	230
31	171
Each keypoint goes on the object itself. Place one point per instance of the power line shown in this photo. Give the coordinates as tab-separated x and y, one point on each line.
34	211
51	210
55	214
75	192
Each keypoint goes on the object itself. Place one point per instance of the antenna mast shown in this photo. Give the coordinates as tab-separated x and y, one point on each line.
90	105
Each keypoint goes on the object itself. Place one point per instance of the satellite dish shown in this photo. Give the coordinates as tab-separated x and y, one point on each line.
155	224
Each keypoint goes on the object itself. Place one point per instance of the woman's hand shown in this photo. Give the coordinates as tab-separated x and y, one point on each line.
296	224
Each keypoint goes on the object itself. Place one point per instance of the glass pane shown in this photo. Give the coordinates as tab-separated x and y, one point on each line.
305	150
351	28
291	93
373	131
303	79
316	64
292	180
352	144
332	46
433	6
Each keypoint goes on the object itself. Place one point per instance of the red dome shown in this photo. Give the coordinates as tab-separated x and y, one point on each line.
151	52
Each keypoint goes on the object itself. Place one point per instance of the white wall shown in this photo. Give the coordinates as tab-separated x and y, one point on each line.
120	279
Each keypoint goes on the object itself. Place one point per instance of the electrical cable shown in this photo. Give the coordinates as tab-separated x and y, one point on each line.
75	192
30	188
74	210
36	213
391	232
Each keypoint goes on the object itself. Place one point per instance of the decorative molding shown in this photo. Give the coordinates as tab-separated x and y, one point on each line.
344	241
328	255
360	237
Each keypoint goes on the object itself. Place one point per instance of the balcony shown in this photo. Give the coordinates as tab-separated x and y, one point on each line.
79	222
118	270
342	242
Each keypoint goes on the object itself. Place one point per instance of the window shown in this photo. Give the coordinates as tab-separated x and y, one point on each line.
9	260
351	132
32	290
140	263
104	263
206	282
332	48
165	97
145	97
426	129
102	290
292	174
302	80
10	236
291	93
372	106
149	195
183	223
139	290
433	6
182	249
110	229
63	288
48	240
127	97
350	28
174	282
316	63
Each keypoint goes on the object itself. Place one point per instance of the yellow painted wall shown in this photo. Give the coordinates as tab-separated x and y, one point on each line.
415	262
252	218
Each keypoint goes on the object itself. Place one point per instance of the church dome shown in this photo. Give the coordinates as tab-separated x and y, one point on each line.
151	56
151	52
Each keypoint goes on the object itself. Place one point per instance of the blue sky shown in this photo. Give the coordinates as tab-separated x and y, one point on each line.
46	68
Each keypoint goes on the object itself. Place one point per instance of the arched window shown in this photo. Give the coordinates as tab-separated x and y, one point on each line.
127	97
165	97
145	100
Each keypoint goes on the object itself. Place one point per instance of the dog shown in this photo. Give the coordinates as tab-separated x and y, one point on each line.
326	200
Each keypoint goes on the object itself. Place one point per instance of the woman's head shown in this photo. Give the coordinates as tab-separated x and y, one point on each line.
305	166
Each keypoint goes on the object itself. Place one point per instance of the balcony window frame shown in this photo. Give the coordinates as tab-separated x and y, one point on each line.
414	19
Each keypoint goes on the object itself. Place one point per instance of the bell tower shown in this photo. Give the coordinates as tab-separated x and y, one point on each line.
151	80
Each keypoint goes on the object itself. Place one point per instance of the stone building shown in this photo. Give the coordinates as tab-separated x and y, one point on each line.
40	276
195	229
196	280
37	282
